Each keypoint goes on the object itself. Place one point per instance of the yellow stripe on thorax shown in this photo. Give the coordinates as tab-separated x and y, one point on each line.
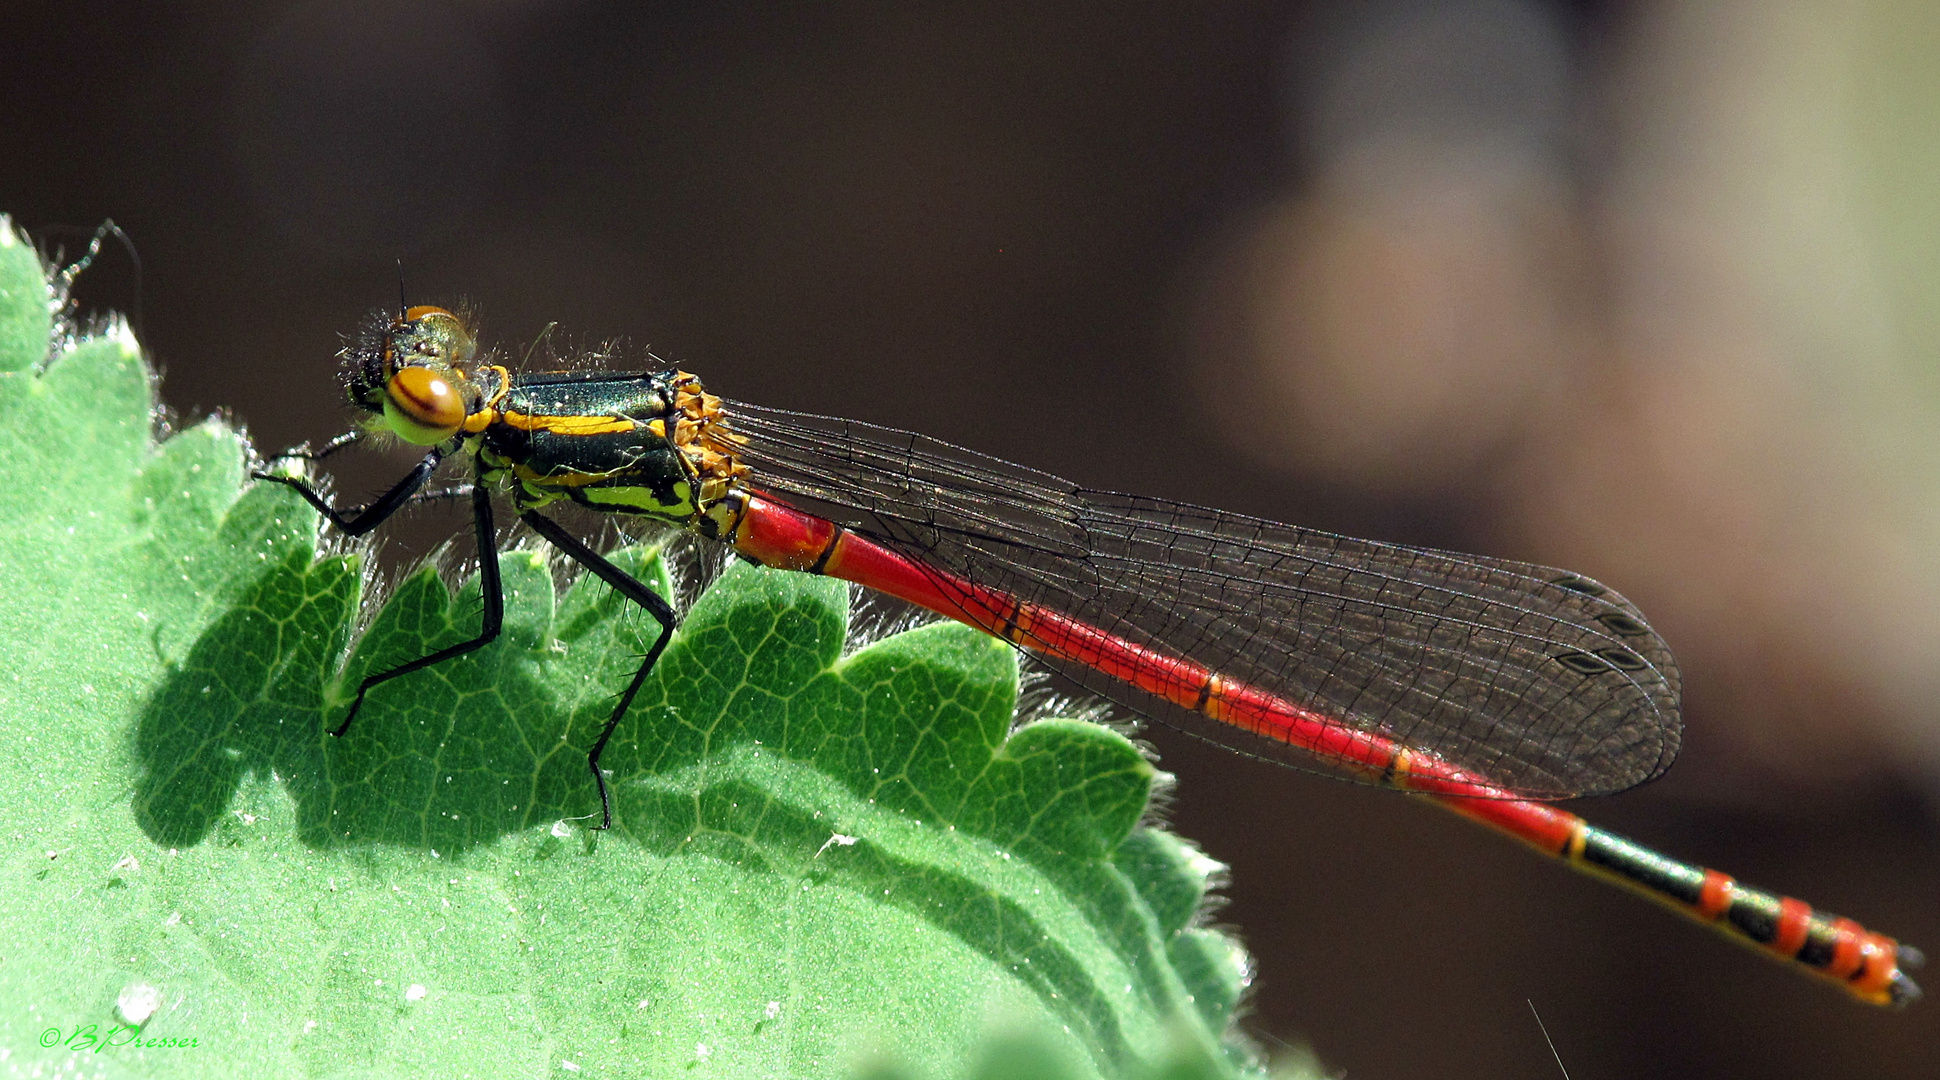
566	425
487	414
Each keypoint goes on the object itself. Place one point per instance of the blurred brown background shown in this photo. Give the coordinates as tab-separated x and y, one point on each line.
1645	290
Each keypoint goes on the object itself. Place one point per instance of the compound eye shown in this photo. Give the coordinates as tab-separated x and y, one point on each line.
429	335
422	406
442	335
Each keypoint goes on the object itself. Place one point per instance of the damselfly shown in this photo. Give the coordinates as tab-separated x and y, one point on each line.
1486	685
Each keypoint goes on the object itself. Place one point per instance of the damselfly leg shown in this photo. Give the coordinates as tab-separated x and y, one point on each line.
361	520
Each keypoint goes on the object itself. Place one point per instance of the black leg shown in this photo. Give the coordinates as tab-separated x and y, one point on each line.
370	517
633	589
455	491
488	583
304	453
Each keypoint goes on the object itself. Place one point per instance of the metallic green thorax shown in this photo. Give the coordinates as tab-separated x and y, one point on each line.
600	440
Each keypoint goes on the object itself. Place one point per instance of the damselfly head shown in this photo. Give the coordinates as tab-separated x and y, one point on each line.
412	369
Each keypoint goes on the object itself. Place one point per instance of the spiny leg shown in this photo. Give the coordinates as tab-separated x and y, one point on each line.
443	494
360	520
633	589
420	498
370	517
304	453
493	618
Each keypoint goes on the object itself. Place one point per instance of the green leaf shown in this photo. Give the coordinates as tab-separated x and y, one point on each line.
824	860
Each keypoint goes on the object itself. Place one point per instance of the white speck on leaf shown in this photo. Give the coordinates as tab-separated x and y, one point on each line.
836	840
137	1002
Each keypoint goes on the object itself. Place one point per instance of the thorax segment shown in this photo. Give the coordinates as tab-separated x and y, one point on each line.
632	443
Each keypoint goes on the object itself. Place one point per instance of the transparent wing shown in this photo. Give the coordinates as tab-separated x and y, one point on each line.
1542	681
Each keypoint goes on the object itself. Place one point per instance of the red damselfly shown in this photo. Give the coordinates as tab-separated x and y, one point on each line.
1489	686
